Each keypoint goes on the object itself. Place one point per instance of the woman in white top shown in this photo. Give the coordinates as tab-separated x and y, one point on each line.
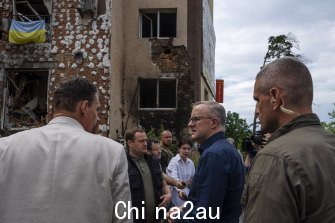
181	168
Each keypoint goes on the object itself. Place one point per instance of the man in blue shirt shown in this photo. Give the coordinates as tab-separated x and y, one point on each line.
218	182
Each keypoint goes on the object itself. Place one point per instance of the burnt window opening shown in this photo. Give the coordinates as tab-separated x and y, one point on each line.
33	10
86	6
158	23
90	9
25	97
101	8
167	51
158	93
2	29
27	10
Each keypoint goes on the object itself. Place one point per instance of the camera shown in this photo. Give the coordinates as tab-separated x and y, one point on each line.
257	139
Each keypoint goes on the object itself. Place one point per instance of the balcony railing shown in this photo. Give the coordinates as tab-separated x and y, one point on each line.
27	18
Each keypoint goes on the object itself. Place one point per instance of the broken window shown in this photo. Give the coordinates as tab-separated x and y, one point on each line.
2	28
86	6
158	23
101	8
32	10
158	93
25	99
89	9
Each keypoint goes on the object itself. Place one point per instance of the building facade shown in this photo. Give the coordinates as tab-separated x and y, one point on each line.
150	60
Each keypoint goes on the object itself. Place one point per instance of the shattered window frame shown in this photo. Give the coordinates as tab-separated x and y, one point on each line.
25	99
157	94
32	10
154	23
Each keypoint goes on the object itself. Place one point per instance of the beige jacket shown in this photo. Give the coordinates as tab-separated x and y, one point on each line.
61	173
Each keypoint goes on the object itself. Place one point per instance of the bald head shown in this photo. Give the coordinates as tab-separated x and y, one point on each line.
166	138
292	77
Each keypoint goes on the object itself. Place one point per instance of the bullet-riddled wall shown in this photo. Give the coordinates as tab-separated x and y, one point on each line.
115	44
78	43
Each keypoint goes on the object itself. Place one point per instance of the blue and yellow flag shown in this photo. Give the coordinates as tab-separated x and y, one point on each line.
27	32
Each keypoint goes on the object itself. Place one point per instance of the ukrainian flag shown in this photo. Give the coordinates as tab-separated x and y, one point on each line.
27	32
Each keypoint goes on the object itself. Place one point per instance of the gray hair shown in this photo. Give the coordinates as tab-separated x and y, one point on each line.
216	110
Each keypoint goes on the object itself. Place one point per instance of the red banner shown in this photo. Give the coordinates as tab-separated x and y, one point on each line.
219	91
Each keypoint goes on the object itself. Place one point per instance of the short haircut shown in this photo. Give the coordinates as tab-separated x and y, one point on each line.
165	131
215	110
71	91
130	133
185	141
290	75
150	142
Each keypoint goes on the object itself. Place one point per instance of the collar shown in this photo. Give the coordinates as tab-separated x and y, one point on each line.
309	119
164	146
66	121
208	142
180	159
138	159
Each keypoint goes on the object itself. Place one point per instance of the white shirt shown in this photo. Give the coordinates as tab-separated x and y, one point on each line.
180	170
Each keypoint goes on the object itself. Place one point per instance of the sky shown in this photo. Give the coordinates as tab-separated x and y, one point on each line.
242	29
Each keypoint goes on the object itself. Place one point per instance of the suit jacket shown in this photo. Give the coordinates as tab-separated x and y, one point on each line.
61	173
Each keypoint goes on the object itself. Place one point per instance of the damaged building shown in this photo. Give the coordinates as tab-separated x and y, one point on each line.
150	60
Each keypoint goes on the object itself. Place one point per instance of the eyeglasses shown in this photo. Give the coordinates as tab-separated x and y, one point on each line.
195	119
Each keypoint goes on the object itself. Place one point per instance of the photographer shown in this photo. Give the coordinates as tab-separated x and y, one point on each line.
253	145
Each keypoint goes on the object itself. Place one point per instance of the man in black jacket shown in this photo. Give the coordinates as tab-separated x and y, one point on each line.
148	188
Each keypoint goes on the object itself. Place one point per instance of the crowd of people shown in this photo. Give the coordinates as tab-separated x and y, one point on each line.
62	172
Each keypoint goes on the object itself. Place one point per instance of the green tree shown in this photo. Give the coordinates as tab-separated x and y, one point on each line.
282	45
331	125
153	133
237	128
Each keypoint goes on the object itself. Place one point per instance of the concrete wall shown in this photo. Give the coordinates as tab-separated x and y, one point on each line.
118	69
201	48
194	43
211	8
175	64
139	55
208	44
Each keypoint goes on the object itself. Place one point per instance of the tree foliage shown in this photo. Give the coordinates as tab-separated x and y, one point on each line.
237	128
282	45
331	125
